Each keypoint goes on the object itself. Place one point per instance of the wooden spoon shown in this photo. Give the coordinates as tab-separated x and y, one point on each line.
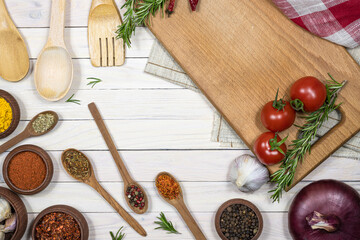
93	182
28	132
14	60
128	180
54	68
180	205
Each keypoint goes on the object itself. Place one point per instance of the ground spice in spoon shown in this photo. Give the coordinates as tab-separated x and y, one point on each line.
167	186
27	170
239	222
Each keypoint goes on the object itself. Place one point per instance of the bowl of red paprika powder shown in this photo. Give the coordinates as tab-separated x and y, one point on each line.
60	222
28	169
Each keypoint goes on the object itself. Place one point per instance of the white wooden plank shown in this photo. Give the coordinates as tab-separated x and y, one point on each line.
199	196
100	224
199	166
77	43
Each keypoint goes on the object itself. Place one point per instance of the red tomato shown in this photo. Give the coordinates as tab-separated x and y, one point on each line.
277	120
262	148
310	91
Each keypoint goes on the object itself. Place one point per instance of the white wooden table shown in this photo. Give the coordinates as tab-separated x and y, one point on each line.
157	127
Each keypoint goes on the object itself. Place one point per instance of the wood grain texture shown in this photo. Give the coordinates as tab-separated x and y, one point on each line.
105	49
14	61
243	52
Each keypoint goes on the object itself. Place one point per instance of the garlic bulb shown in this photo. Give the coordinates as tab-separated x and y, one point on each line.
248	174
5	209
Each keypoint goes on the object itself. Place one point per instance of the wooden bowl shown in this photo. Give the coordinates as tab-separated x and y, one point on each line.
15	113
79	218
20	210
44	156
242	202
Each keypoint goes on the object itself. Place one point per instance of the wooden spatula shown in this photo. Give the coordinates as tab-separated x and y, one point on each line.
105	49
14	58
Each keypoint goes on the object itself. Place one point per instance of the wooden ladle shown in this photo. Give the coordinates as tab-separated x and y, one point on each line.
128	180
14	60
180	205
93	182
29	132
54	68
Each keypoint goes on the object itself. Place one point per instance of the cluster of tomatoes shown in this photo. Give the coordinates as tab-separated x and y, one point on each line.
307	94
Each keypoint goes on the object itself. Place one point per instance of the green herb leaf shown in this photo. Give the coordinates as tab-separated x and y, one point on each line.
71	100
119	235
165	224
94	82
299	147
137	14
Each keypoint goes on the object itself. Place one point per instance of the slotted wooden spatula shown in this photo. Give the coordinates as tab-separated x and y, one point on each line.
105	49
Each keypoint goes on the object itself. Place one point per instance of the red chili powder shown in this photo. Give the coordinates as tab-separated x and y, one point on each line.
27	170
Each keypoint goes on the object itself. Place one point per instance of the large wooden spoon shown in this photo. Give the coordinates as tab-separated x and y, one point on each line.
14	60
128	180
93	182
180	205
29	132
54	68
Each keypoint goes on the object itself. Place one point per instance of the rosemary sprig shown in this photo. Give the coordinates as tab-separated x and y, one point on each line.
119	235
71	100
137	14
299	147
165	224
94	82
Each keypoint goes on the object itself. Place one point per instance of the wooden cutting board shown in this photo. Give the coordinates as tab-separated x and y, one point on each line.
239	52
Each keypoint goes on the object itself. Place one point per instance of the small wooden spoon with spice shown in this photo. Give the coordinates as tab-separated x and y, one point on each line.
173	195
135	195
40	125
79	167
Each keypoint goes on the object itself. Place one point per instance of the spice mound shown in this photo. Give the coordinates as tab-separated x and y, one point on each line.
6	115
43	122
27	170
167	186
76	164
239	222
135	196
57	225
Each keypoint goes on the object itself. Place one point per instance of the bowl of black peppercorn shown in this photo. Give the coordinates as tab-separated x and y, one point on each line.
238	219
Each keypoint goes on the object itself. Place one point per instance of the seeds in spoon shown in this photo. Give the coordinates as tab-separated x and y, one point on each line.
167	186
76	164
136	196
43	122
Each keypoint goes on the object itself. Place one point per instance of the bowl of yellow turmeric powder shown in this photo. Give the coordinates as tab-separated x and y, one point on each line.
9	114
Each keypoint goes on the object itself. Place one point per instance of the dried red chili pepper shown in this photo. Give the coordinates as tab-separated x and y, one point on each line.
193	4
171	6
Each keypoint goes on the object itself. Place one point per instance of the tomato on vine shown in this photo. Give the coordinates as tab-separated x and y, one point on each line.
308	94
277	115
269	148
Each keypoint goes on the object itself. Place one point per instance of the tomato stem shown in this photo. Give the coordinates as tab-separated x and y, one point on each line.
297	105
278	104
275	145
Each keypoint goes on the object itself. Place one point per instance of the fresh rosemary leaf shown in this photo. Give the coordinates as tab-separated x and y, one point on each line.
165	224
119	235
94	82
71	100
300	147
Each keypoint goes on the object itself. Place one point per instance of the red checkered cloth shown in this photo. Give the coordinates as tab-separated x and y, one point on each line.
335	20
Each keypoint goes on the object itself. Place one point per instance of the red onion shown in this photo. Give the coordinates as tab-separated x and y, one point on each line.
325	210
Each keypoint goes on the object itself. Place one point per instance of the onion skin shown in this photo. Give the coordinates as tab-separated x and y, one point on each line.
329	197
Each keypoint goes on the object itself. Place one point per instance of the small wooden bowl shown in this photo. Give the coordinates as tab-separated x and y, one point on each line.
15	113
44	156
79	218
242	202
20	210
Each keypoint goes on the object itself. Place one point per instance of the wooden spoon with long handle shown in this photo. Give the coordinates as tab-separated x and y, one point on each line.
94	183
180	205
29	132
128	180
54	69
14	60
